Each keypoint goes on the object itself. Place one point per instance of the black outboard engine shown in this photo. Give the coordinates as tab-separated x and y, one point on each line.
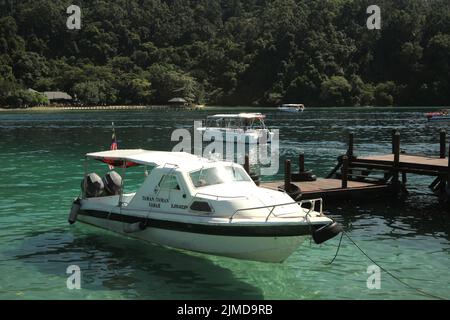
92	185
113	183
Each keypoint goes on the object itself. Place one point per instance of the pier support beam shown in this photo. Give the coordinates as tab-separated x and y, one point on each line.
247	164
448	175
442	143
396	151
394	132
344	172
350	150
287	175
301	163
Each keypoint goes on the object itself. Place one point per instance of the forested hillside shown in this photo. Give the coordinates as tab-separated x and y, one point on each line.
232	52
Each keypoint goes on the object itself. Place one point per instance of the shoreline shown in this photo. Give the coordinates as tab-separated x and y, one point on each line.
178	108
100	108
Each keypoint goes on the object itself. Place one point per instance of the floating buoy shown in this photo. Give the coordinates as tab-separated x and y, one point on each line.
74	211
327	232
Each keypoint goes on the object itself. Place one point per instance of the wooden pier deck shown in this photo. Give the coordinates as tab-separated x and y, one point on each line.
408	163
331	189
368	176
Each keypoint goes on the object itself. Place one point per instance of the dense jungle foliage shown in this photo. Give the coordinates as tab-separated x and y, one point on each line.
227	52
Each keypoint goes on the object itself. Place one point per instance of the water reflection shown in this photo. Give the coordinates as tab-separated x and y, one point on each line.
140	269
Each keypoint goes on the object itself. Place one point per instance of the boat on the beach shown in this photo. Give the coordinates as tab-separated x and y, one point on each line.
242	127
442	115
291	107
193	203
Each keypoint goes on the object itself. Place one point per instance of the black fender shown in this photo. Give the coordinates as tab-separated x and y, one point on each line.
74	210
293	191
327	232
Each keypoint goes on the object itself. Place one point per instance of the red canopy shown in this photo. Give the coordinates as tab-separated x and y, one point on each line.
118	163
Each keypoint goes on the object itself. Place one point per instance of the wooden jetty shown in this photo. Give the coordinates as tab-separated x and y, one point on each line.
368	176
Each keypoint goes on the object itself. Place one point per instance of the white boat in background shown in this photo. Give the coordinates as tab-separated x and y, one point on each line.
196	204
243	127
291	107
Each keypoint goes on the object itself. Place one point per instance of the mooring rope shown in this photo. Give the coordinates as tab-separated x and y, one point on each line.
384	269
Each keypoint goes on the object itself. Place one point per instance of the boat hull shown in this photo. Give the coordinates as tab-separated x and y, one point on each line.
290	110
257	247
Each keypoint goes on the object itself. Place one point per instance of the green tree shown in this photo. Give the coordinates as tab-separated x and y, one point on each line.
336	90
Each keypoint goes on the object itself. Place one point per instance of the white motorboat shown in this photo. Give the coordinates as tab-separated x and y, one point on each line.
243	127
196	204
291	107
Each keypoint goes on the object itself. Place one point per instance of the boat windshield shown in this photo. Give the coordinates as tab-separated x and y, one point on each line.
218	175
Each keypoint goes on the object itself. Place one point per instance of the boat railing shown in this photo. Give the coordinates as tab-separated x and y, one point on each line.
218	197
312	202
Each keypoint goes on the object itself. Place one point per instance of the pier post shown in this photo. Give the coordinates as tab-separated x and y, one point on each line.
350	145
443	143
247	164
301	163
448	169
394	132
287	175
396	149
344	172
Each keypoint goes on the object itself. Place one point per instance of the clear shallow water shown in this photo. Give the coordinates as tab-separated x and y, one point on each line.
42	164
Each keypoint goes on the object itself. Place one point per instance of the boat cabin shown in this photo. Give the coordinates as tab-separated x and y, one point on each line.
173	182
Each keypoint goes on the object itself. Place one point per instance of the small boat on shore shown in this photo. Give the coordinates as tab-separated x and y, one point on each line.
243	128
291	107
441	115
192	203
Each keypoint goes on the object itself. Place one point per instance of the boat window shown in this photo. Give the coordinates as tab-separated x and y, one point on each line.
169	182
218	175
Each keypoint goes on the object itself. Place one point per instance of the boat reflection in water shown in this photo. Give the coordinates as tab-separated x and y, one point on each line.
193	203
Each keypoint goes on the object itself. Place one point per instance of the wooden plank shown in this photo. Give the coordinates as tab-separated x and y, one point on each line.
408	160
319	185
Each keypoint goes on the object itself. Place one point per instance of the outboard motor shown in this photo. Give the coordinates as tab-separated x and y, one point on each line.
113	183
92	185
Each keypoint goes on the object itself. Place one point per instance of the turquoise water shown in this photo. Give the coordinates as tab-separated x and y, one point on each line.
42	165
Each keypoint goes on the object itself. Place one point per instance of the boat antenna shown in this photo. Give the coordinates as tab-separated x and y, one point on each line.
114	144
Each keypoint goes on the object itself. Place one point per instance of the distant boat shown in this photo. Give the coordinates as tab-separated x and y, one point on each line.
243	127
441	115
291	107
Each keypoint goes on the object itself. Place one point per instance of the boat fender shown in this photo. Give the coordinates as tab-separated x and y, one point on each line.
256	179
307	176
326	232
76	205
293	191
134	227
